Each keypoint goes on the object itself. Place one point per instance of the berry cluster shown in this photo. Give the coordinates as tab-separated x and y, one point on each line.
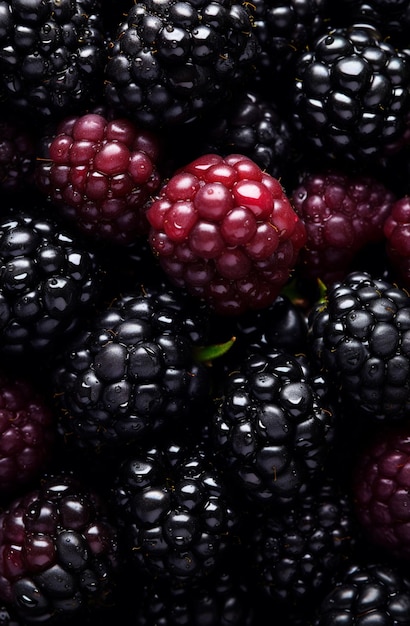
204	312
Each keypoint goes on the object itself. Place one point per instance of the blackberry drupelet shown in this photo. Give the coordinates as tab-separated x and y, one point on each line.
366	593
295	552
381	490
131	370
100	173
342	214
360	338
27	433
59	552
170	62
52	55
351	94
174	512
224	230
252	125
271	429
48	281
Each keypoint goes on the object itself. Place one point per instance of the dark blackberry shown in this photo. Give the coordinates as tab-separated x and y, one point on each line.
342	214
59	552
271	429
48	281
131	371
294	552
351	94
360	338
366	593
174	512
251	125
52	54
172	61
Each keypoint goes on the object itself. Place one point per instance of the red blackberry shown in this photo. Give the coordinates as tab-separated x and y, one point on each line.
27	430
351	94
296	551
366	594
52	54
58	552
381	489
100	174
397	234
48	281
131	371
174	512
342	213
225	230
360	337
172	61
272	430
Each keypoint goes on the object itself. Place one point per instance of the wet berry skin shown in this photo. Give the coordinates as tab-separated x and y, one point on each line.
381	485
100	173
226	231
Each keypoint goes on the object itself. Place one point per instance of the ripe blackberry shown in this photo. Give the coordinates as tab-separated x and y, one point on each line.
369	593
174	512
360	337
381	489
17	155
252	125
52	55
271	429
27	430
100	174
58	552
351	94
225	230
396	231
294	552
342	213
170	62
131	371
48	281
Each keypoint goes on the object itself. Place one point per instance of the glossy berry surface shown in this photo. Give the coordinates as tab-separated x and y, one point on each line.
100	173
226	231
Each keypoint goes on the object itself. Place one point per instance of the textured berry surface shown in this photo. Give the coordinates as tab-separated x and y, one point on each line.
226	231
58	551
341	214
100	174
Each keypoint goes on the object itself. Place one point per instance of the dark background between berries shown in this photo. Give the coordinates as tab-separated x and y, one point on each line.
181	443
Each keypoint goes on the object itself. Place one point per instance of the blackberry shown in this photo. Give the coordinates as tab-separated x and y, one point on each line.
131	371
366	593
359	336
351	94
100	174
381	490
27	430
252	125
52	55
170	62
271	429
296	551
226	232
342	214
48	281
59	552
174	512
